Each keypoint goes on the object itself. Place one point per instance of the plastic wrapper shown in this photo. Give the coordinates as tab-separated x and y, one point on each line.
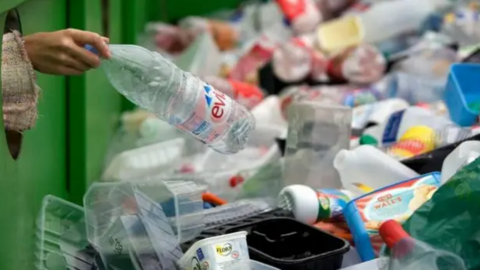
258	55
410	254
166	38
224	34
449	220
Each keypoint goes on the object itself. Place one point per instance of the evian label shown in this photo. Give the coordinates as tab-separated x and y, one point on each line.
209	119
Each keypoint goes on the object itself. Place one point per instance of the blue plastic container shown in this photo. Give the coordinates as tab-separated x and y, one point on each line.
463	88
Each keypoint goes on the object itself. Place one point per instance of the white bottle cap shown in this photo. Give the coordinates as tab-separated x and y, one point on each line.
302	201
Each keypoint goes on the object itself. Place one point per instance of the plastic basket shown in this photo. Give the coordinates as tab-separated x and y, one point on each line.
61	237
143	222
461	90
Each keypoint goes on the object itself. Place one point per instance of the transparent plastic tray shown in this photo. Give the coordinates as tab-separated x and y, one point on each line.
61	238
145	161
172	202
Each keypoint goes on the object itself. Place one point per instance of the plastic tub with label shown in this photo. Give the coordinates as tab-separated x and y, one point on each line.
228	251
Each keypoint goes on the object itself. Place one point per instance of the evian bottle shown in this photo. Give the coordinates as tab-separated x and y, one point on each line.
153	82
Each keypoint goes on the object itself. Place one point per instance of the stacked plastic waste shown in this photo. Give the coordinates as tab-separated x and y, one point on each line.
292	134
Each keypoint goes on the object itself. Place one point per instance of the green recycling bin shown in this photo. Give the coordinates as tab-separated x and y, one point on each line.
41	165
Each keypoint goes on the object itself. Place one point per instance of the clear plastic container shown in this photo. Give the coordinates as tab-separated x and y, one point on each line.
136	164
260	149
317	132
254	265
463	155
147	217
229	252
61	237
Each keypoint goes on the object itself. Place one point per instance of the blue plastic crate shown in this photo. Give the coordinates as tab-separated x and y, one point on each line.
463	87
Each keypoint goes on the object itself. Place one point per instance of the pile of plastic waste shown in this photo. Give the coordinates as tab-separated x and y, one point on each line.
288	135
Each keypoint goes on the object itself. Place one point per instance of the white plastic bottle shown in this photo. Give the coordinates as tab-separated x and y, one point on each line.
310	205
383	20
376	113
366	168
463	155
398	123
154	83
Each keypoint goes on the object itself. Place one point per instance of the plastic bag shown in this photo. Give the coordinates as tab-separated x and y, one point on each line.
449	221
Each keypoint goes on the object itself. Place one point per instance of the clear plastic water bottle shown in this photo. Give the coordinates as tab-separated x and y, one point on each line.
154	83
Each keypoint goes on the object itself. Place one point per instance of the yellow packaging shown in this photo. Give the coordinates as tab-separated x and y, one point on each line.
415	141
340	34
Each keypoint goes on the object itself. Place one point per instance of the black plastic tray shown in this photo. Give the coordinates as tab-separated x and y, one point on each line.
288	244
331	260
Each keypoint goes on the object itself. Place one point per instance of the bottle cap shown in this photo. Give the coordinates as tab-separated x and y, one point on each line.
392	232
368	140
92	49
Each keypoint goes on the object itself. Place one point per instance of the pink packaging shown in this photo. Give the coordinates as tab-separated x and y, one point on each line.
247	67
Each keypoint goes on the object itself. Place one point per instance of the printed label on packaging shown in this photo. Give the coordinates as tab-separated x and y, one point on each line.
397	202
331	202
361	115
210	118
393	125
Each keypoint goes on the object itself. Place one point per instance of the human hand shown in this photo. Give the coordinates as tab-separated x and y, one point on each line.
63	53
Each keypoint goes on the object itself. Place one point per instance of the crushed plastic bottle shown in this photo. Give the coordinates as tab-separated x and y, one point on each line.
149	80
297	59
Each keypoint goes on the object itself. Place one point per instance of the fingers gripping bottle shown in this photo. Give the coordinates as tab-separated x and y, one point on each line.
154	83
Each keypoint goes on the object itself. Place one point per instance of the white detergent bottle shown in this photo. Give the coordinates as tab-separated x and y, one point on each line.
366	168
376	113
463	155
398	123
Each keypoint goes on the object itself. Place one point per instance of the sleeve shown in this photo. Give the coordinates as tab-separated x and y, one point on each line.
13	21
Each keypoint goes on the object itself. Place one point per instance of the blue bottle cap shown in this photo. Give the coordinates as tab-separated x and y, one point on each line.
92	49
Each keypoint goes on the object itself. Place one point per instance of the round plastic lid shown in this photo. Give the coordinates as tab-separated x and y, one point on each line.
302	201
368	140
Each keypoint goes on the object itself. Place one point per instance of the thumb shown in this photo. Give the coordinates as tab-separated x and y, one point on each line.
91	38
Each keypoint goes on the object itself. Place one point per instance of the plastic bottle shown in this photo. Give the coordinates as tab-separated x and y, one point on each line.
298	58
367	168
409	253
156	84
246	94
376	113
463	155
361	64
398	123
303	15
416	141
309	205
379	22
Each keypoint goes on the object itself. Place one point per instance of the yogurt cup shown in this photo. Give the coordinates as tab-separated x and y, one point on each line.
225	252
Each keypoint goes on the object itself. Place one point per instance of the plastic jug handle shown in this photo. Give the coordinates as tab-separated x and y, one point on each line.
92	49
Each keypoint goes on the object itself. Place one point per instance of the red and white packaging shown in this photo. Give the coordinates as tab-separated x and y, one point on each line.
299	59
246	94
303	15
259	54
362	64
